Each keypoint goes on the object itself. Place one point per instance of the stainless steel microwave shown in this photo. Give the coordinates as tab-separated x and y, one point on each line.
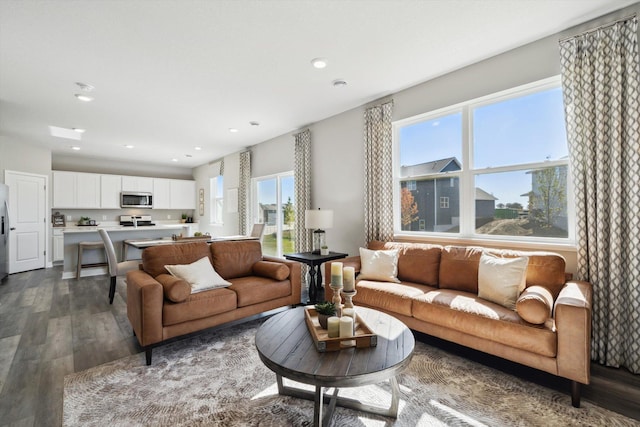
136	200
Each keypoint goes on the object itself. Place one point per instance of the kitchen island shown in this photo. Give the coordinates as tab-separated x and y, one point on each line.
118	234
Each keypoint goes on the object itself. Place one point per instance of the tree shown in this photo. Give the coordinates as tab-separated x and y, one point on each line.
408	208
548	194
289	213
514	205
500	206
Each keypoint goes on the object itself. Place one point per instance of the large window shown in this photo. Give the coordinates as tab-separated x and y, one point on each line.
497	166
216	190
274	206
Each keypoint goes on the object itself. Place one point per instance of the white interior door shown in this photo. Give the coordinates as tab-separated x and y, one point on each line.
27	218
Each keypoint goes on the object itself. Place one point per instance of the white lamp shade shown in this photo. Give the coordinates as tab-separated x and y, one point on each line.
318	219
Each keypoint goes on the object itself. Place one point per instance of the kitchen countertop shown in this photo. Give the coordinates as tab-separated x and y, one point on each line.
117	227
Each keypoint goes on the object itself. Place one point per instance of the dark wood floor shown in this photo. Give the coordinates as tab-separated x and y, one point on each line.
51	327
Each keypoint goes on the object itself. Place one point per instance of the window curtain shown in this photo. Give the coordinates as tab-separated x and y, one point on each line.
221	172
378	173
600	77
244	204
302	178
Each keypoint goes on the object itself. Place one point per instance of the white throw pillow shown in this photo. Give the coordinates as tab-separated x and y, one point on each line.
200	275
379	265
501	280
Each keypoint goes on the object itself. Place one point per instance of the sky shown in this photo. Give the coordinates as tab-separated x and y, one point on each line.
516	131
267	190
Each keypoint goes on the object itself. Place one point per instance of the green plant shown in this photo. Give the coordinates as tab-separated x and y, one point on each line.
327	308
184	216
85	218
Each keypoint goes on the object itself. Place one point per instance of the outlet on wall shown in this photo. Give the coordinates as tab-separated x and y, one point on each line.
104	217
168	216
68	217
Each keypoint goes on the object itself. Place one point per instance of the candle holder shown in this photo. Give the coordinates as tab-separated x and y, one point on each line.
337	300
347	298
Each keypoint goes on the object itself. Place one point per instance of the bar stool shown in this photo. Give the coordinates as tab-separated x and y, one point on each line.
82	246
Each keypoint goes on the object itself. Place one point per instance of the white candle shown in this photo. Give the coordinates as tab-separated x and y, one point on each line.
349	278
333	327
348	312
336	274
346	327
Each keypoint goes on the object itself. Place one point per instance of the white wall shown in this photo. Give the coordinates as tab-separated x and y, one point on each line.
337	142
23	157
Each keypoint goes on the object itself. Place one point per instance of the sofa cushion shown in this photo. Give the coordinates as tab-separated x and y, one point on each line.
174	288
501	280
198	306
271	270
379	265
459	268
235	259
534	304
156	257
200	275
417	262
469	314
253	289
392	297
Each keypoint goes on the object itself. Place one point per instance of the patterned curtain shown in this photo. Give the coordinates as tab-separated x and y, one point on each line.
302	178
378	173
221	168
600	75
244	211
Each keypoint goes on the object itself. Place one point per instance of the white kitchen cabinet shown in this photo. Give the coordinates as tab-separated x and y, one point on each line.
76	190
110	188
138	184
87	190
183	194
161	193
58	245
64	189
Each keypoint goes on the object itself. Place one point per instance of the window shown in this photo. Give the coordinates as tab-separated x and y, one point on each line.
496	166
216	190
274	205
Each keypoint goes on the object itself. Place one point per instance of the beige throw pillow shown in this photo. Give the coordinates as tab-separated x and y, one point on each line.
534	305
200	275
501	280
381	266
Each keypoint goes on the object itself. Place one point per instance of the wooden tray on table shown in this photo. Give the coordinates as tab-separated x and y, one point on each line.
363	336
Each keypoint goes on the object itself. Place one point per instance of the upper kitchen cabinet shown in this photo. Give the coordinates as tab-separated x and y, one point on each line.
110	188
76	190
183	194
161	193
139	184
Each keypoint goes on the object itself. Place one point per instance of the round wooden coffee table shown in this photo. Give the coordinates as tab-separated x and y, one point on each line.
285	346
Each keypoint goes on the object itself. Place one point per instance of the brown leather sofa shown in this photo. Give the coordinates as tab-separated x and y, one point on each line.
438	295
161	306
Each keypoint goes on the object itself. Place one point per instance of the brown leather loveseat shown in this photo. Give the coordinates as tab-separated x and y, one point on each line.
437	293
161	306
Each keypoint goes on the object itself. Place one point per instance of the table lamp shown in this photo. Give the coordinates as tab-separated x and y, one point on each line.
318	220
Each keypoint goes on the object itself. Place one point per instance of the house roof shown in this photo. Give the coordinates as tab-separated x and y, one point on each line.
483	195
436	166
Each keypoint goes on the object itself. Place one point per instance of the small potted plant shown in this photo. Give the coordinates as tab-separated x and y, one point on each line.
324	250
84	220
184	218
325	310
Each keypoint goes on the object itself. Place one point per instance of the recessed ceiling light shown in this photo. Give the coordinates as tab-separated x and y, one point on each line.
319	62
233	130
254	123
188	155
79	130
85	87
197	148
75	147
129	146
174	160
339	83
84	98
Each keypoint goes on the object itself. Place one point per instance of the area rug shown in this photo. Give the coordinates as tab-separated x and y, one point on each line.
217	379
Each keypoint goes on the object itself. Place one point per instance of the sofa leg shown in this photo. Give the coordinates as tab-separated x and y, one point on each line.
147	353
575	394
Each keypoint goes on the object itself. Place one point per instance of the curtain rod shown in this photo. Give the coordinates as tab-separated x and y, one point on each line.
600	27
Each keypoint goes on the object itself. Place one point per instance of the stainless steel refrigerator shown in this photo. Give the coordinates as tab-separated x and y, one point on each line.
4	231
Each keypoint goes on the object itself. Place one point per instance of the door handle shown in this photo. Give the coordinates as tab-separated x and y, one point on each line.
12	228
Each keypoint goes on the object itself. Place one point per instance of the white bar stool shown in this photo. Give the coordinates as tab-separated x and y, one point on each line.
82	246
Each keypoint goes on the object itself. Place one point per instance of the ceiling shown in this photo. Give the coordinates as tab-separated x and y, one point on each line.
172	75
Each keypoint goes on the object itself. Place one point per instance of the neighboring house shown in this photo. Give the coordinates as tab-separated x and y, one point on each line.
438	200
268	213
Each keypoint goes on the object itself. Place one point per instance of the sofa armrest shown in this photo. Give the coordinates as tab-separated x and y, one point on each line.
144	306
295	276
572	312
352	261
